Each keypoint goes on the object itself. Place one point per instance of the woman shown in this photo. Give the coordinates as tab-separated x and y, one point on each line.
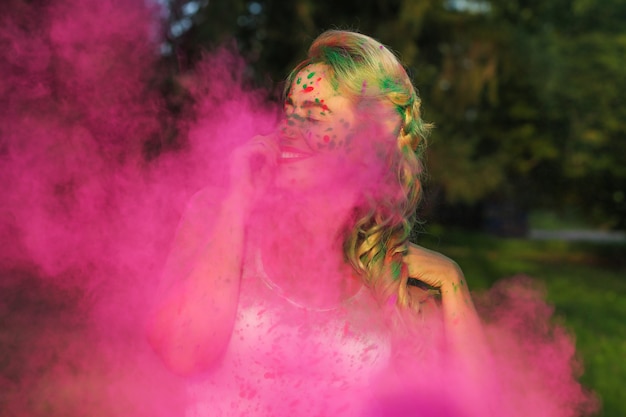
302	291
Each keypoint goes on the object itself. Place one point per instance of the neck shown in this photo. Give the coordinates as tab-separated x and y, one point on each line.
303	250
318	210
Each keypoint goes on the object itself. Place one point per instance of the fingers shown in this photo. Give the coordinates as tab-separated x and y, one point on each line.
271	141
253	165
263	155
431	267
263	158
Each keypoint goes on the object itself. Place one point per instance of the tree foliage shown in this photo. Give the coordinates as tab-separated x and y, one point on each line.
525	94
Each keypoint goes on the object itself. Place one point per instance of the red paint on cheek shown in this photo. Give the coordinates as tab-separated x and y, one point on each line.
308	89
326	138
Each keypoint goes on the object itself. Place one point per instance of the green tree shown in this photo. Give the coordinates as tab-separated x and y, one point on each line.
525	94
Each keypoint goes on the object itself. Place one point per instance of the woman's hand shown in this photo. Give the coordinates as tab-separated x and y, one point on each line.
252	167
441	272
433	269
468	354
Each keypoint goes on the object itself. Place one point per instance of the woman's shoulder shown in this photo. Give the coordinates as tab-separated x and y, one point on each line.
205	197
202	204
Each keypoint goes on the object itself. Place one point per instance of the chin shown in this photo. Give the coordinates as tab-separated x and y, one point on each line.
293	184
294	178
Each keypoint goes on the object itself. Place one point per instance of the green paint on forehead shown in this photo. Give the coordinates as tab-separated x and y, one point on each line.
311	74
298	80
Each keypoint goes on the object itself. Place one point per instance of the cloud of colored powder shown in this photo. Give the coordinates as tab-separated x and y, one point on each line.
88	217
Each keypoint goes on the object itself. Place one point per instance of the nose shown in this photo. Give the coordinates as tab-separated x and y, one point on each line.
293	122
294	131
288	132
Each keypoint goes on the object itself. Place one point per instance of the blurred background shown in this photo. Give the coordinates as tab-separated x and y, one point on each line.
527	163
526	96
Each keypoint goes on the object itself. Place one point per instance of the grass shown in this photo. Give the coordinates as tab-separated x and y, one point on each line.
552	220
585	282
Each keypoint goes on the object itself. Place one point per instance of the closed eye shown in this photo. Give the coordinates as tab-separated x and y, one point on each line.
288	105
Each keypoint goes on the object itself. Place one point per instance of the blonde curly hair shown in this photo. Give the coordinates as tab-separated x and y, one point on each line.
377	234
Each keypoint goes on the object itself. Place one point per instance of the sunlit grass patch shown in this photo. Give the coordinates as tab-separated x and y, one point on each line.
586	282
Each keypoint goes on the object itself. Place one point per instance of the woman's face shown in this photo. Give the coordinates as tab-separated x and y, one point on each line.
316	131
317	115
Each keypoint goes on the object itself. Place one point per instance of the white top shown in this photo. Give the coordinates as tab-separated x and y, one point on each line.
288	360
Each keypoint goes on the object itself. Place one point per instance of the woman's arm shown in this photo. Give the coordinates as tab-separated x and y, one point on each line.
192	323
463	327
467	355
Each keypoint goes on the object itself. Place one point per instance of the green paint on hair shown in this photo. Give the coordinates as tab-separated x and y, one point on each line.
389	84
338	58
396	269
340	61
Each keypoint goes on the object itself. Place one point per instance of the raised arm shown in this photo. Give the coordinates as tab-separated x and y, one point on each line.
463	327
467	355
193	320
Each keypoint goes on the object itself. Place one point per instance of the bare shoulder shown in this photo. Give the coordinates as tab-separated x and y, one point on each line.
199	208
203	199
191	233
196	219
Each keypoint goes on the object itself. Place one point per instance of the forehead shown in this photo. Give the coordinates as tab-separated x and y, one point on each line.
313	82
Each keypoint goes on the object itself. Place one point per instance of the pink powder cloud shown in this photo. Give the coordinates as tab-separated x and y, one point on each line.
87	221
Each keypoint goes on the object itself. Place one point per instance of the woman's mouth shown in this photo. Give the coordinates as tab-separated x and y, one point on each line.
289	154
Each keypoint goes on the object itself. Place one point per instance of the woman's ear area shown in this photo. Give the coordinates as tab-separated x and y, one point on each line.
381	115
